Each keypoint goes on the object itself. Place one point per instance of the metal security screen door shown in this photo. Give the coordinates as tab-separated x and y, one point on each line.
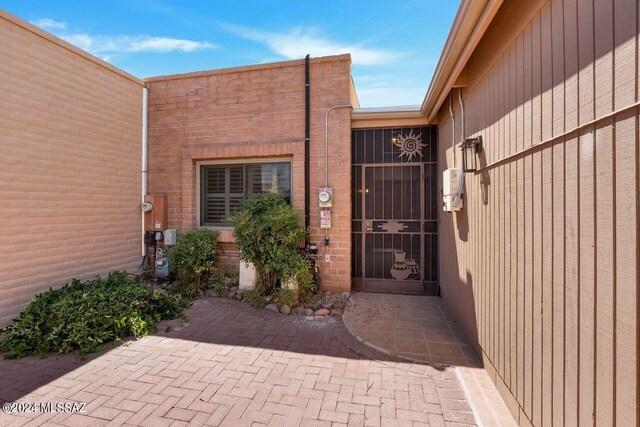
395	211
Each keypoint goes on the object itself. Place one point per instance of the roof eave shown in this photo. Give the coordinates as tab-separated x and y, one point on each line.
471	22
391	114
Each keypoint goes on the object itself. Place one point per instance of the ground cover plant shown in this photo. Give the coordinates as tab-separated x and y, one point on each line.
83	315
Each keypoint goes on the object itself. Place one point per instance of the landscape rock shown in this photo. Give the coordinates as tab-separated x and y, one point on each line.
327	306
316	306
308	312
336	312
321	312
338	305
272	307
300	311
234	289
231	294
344	296
285	309
239	296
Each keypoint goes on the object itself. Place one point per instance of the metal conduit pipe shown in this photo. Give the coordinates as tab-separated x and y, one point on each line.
326	155
461	188
453	129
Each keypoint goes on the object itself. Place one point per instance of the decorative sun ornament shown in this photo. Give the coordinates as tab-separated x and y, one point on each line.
410	145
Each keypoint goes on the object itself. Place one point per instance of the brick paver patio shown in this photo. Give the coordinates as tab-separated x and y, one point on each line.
237	366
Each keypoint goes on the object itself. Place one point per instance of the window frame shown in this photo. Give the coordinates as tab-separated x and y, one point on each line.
231	162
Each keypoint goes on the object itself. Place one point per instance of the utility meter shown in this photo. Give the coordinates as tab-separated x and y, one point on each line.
325	197
146	207
452	186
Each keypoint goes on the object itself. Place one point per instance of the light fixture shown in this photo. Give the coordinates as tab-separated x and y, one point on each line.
395	138
470	149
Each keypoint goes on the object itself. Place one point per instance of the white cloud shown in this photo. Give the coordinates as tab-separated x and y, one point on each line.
106	46
300	41
132	44
50	24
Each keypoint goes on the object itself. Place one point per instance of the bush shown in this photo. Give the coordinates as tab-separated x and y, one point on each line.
82	316
286	296
268	234
255	297
194	257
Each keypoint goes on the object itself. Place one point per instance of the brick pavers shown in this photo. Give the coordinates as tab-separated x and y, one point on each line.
234	365
414	327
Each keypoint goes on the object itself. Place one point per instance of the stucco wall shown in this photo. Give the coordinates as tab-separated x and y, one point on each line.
70	129
541	265
250	113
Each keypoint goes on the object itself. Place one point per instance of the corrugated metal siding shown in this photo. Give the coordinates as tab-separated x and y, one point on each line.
541	266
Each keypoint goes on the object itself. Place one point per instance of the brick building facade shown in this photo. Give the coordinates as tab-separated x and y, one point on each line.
255	114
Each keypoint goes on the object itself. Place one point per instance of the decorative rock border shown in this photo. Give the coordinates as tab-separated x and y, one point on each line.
329	304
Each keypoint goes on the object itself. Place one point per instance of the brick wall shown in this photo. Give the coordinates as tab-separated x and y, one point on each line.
70	129
256	112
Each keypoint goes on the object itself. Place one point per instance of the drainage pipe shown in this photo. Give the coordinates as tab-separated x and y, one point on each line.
326	156
307	130
145	155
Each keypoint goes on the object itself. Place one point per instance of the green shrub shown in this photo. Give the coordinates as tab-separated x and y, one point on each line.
268	234
81	316
286	296
194	257
255	297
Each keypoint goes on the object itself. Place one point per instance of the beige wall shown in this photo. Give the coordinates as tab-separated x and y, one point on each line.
541	265
70	128
251	113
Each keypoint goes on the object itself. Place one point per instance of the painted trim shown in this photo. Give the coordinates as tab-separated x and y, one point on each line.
471	22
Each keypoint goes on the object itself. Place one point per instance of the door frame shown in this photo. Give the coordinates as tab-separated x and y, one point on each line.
412	287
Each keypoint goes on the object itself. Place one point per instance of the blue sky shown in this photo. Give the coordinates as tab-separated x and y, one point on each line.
395	45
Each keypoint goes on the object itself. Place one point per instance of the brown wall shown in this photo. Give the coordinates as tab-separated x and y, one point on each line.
256	112
541	265
70	129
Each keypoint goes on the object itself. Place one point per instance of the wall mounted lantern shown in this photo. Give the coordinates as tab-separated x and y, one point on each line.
470	149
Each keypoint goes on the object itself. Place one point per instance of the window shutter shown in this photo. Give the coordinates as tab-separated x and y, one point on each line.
214	186
236	188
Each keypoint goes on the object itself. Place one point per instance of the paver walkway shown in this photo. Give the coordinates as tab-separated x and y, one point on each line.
421	328
416	327
234	365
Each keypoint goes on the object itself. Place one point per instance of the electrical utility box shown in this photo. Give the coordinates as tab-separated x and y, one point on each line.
452	182
156	218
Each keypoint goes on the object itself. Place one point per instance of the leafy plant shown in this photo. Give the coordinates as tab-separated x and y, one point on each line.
286	296
194	257
268	234
255	297
81	316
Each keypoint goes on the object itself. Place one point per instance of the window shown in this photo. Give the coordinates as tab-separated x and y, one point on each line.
224	187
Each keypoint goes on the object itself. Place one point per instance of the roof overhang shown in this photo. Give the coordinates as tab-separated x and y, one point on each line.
387	117
471	22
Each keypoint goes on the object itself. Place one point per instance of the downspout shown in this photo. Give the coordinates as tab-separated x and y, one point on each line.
307	130
326	156
145	155
461	188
